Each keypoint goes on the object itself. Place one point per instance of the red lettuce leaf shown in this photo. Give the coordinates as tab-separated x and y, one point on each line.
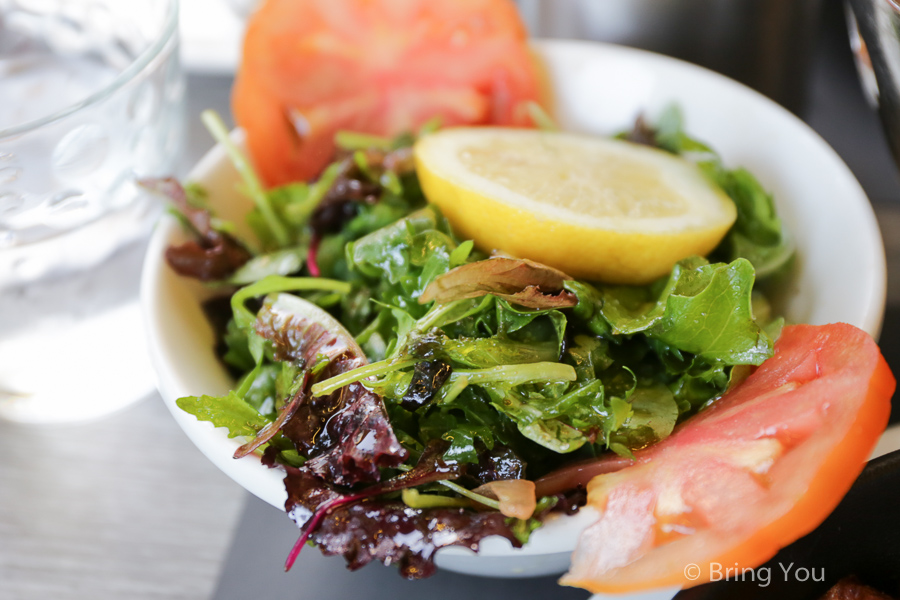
207	262
214	255
346	435
363	529
497	464
354	185
301	332
428	377
393	533
642	133
340	203
356	440
519	281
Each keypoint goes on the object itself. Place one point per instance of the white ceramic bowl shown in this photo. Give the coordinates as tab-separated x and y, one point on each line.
598	89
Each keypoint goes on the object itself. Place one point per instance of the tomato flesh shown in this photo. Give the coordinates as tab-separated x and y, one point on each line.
760	468
311	68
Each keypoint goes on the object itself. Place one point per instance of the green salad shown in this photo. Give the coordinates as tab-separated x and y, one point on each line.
397	374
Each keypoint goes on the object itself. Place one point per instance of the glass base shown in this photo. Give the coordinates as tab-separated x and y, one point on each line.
72	348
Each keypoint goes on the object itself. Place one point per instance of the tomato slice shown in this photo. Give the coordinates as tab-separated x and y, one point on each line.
760	468
311	68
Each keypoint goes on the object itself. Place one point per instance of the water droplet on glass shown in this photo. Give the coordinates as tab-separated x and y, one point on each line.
81	151
9	174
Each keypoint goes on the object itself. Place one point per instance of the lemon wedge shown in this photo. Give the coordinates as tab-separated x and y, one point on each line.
596	208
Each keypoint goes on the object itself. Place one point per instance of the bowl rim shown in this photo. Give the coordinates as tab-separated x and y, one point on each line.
240	471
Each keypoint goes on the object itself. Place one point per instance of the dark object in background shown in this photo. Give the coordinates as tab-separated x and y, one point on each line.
766	44
852	589
861	538
890	348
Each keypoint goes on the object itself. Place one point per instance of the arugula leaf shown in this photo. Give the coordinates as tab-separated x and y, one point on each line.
758	234
670	135
553	434
262	393
387	252
709	314
652	419
281	262
589	355
394	265
535	410
462	442
461	253
401	259
700	382
238	352
480	353
587	309
229	411
702	309
252	185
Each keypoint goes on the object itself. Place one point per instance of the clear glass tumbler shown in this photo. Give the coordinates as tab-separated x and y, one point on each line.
875	40
91	96
91	99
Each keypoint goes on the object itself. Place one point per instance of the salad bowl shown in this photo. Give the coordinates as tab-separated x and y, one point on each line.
839	273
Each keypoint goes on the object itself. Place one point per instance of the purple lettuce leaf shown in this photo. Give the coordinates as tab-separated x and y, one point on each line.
362	528
497	464
346	435
428	377
356	440
214	255
393	533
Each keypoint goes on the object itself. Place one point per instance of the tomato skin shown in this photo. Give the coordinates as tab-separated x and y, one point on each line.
313	67
760	468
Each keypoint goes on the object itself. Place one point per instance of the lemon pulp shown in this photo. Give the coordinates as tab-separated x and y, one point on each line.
595	208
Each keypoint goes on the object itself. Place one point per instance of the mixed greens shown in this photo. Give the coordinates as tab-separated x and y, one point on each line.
397	374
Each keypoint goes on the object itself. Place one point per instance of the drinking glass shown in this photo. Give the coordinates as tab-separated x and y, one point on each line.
875	32
91	99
